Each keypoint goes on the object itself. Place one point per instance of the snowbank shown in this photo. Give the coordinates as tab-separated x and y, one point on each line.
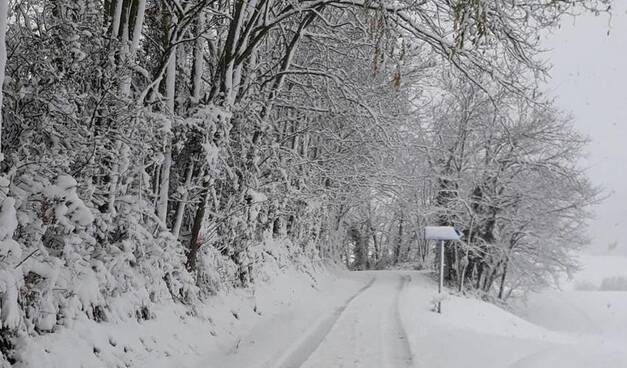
235	329
583	312
468	333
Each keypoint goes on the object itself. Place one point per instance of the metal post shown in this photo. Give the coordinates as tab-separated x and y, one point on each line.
441	233
441	285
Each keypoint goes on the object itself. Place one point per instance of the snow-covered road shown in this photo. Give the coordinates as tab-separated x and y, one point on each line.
368	332
357	327
385	319
389	323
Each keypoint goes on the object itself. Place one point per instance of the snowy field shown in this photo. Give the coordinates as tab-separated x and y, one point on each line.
591	309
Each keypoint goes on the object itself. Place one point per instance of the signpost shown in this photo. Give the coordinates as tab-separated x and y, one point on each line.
441	233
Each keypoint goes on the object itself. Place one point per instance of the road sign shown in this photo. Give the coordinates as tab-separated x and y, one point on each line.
441	233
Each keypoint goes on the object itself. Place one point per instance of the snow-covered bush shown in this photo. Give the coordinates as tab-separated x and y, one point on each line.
145	264
61	260
10	278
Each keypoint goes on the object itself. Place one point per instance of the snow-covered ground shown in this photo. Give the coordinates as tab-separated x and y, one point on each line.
389	322
241	328
579	326
379	319
592	315
469	332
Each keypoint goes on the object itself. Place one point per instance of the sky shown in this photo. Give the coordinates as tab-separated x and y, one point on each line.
589	79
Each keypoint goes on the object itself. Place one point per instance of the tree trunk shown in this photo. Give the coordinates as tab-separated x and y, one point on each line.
116	18
503	276
180	211
399	242
198	62
4	13
195	241
170	90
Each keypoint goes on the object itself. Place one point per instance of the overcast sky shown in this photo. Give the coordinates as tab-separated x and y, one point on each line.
589	79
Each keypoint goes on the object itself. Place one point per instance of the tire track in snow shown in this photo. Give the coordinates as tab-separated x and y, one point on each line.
366	333
296	356
403	356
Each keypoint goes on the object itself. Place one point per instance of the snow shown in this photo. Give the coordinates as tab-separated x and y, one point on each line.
8	219
595	319
334	318
469	332
9	313
69	210
10	251
441	233
255	196
580	309
234	329
368	333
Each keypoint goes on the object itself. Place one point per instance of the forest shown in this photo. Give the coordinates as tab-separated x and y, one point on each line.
159	150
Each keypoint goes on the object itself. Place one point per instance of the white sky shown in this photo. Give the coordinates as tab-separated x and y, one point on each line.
589	79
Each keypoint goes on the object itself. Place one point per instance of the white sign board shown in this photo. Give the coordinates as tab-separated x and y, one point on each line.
441	233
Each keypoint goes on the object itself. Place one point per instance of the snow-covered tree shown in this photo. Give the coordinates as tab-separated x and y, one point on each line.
166	149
